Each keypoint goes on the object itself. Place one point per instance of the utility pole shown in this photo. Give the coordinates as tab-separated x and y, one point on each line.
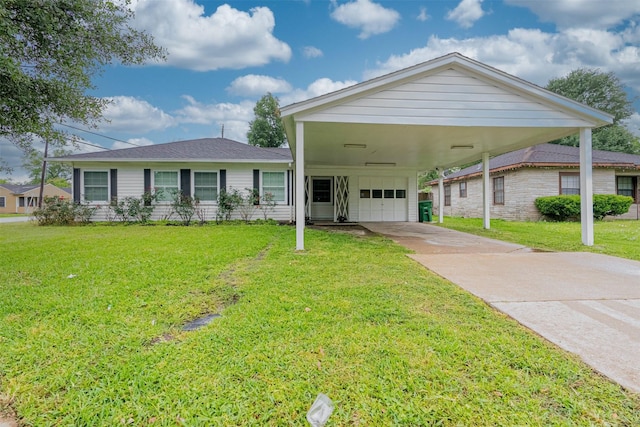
222	130
44	171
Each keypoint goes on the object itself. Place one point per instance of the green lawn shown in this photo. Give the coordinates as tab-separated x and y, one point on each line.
618	238
10	215
90	335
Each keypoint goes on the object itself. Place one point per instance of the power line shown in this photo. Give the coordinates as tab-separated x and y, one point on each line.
75	141
98	134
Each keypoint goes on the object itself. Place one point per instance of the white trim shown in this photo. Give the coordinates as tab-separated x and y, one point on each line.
486	202
153	183
300	202
193	184
284	185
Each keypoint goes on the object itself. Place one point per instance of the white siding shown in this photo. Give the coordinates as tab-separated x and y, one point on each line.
450	97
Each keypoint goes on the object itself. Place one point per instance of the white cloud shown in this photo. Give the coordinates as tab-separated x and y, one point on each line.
134	141
228	38
532	54
132	115
252	85
371	18
319	87
234	117
582	13
422	16
311	52
633	124
466	13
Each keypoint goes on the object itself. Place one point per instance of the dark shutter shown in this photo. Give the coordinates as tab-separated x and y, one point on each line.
147	186
76	185
256	184
223	180
113	176
185	182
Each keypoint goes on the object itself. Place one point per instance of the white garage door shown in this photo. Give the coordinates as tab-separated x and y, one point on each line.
382	198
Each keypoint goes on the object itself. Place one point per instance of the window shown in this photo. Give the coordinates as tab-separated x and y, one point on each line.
21	201
365	194
273	182
388	194
447	195
165	184
626	186
498	190
569	183
96	186
2	202
463	189
205	185
377	194
401	194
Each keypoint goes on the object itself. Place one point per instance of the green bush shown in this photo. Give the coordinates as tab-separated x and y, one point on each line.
59	211
562	208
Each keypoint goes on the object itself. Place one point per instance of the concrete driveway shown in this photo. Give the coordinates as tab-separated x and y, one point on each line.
586	303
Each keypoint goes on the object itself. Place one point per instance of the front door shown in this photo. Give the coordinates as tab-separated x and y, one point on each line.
322	198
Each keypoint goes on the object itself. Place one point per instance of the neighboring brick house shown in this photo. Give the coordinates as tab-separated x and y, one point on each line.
519	177
22	199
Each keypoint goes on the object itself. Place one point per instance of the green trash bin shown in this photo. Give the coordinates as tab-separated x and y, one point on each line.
425	211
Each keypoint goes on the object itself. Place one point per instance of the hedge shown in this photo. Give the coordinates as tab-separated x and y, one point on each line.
562	208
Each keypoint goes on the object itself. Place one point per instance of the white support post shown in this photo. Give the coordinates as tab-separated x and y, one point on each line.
586	186
300	202
486	192
440	197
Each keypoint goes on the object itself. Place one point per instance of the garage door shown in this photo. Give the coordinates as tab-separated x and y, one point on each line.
382	198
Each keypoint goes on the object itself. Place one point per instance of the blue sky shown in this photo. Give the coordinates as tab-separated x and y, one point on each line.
224	56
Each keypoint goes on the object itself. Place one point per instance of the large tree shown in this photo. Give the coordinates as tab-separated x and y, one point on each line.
57	173
267	129
49	52
605	92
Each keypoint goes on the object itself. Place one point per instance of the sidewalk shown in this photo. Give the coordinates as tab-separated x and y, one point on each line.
588	304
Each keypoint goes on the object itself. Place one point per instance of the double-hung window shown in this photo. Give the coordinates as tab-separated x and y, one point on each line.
166	184
205	186
463	189
274	183
96	186
498	190
626	186
569	183
3	202
447	195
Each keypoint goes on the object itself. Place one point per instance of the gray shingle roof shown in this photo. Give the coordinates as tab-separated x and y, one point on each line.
550	155
205	149
18	188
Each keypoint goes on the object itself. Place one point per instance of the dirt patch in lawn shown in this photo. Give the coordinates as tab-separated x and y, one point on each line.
346	228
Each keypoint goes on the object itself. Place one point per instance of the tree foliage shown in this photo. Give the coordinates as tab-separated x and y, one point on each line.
605	92
267	129
58	174
49	52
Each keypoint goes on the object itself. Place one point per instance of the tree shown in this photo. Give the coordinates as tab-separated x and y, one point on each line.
267	129
58	174
605	92
49	52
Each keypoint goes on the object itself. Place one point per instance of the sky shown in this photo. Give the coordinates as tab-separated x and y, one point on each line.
222	57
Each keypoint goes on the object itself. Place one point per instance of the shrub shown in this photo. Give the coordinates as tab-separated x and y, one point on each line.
562	208
134	209
58	211
248	204
184	206
228	201
267	204
559	208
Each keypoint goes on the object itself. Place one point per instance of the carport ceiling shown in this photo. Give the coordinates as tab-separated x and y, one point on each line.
415	146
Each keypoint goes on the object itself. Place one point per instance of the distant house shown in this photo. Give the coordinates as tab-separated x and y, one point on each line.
519	177
201	168
22	199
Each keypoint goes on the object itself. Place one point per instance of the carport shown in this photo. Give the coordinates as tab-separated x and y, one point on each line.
435	115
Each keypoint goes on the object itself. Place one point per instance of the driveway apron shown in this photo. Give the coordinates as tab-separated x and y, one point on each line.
588	304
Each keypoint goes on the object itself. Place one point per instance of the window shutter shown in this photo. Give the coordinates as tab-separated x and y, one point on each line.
113	176
185	182
256	184
223	180
76	185
147	185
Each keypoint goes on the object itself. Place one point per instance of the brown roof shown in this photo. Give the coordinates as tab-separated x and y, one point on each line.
549	155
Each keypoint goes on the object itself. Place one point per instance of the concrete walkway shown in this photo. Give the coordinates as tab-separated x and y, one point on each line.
588	304
14	219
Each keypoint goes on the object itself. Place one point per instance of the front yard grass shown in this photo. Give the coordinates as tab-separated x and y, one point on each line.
90	334
618	238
